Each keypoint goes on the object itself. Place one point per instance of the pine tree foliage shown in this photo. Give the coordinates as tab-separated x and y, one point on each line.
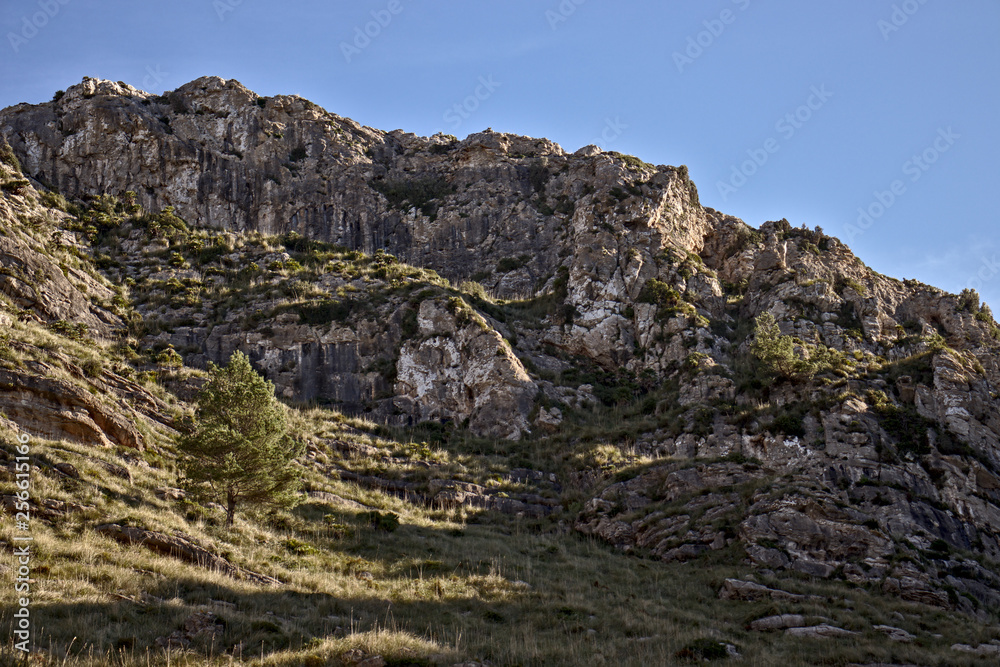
239	451
775	351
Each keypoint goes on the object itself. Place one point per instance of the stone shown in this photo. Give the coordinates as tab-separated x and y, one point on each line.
779	622
549	420
895	634
170	493
181	548
736	589
464	371
986	650
56	409
338	501
68	469
821	631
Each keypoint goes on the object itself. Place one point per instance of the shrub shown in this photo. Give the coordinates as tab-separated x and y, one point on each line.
68	329
632	161
660	294
298	547
854	285
18	186
325	312
704	649
774	351
743	238
414	193
7	155
508	264
93	368
538	177
386	521
298	154
474	289
169	358
789	423
968	301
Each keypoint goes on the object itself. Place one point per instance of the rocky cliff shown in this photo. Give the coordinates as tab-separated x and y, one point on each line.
502	287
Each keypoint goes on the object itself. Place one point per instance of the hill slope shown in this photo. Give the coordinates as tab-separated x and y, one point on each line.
528	343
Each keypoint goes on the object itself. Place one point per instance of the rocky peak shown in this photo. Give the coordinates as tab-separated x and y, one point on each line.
500	286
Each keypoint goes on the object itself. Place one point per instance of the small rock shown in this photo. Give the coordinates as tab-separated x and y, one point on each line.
982	649
895	634
170	493
736	589
765	556
820	631
68	469
116	470
779	622
549	420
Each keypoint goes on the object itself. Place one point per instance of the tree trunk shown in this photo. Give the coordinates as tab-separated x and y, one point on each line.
230	509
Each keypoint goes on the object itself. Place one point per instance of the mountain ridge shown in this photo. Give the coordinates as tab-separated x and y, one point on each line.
579	322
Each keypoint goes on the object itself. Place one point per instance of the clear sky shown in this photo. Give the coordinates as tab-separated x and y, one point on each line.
781	109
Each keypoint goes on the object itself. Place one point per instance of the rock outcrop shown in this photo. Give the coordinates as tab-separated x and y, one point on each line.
502	285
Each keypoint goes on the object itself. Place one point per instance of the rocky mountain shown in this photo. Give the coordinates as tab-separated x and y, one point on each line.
581	316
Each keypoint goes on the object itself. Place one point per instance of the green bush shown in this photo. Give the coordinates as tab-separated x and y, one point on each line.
508	264
704	649
7	155
325	312
660	294
968	301
386	521
474	289
17	186
418	193
298	547
790	424
538	177
632	161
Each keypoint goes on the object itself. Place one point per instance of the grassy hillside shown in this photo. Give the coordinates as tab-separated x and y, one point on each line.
376	566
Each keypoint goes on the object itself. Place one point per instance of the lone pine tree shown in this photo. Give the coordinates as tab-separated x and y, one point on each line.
239	451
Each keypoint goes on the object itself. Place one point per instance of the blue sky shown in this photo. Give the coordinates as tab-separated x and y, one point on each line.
802	110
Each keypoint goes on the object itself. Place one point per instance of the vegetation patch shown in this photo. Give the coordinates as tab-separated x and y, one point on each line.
420	193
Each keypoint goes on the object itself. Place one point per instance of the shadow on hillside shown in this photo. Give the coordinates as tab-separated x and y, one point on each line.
252	624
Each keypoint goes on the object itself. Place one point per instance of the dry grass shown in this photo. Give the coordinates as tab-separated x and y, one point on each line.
447	585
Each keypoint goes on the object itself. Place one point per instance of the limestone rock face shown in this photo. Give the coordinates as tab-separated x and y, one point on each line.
462	370
500	284
31	278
